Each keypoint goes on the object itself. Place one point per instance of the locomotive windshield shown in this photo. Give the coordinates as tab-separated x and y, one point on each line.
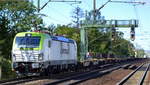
28	42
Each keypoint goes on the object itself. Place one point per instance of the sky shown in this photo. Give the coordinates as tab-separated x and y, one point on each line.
60	13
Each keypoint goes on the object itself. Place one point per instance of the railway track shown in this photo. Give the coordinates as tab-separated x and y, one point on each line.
34	78
20	80
136	77
73	80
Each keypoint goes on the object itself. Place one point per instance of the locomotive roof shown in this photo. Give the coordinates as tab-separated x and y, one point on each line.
57	38
61	38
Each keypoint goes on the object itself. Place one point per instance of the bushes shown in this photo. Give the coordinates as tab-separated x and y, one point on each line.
6	69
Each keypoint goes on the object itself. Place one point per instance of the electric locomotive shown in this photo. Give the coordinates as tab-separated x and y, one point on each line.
37	52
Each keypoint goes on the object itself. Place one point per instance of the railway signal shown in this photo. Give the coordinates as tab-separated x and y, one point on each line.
132	33
113	34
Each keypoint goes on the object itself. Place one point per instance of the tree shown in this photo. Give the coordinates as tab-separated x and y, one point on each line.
140	53
100	42
51	28
77	15
16	16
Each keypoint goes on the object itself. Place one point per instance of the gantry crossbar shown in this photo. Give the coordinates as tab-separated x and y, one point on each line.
109	23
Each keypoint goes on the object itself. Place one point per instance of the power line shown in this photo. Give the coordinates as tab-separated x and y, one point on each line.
136	12
58	12
104	5
87	4
137	15
40	8
128	2
55	19
46	3
70	5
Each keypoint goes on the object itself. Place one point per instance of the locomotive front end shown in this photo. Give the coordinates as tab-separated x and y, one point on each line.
27	53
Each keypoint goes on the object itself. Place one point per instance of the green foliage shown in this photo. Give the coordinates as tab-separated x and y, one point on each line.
21	15
101	42
51	28
98	41
15	16
6	69
5	38
140	53
68	32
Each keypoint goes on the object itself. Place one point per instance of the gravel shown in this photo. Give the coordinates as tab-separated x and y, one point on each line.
109	79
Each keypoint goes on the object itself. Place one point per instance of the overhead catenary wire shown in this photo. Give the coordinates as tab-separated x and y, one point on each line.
128	2
81	5
135	10
137	17
87	4
58	12
55	19
40	8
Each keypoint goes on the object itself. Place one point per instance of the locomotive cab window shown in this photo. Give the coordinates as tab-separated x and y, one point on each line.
28	42
49	43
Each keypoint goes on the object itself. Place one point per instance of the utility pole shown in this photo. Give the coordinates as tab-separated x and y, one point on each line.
94	10
38	6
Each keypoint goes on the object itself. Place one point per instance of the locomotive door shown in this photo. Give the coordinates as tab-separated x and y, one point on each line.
46	50
49	49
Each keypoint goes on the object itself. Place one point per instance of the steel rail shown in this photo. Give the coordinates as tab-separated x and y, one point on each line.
101	73
79	78
19	80
13	79
98	74
144	75
85	76
31	78
128	76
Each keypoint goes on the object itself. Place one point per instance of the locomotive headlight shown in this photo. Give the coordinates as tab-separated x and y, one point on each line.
35	65
40	57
